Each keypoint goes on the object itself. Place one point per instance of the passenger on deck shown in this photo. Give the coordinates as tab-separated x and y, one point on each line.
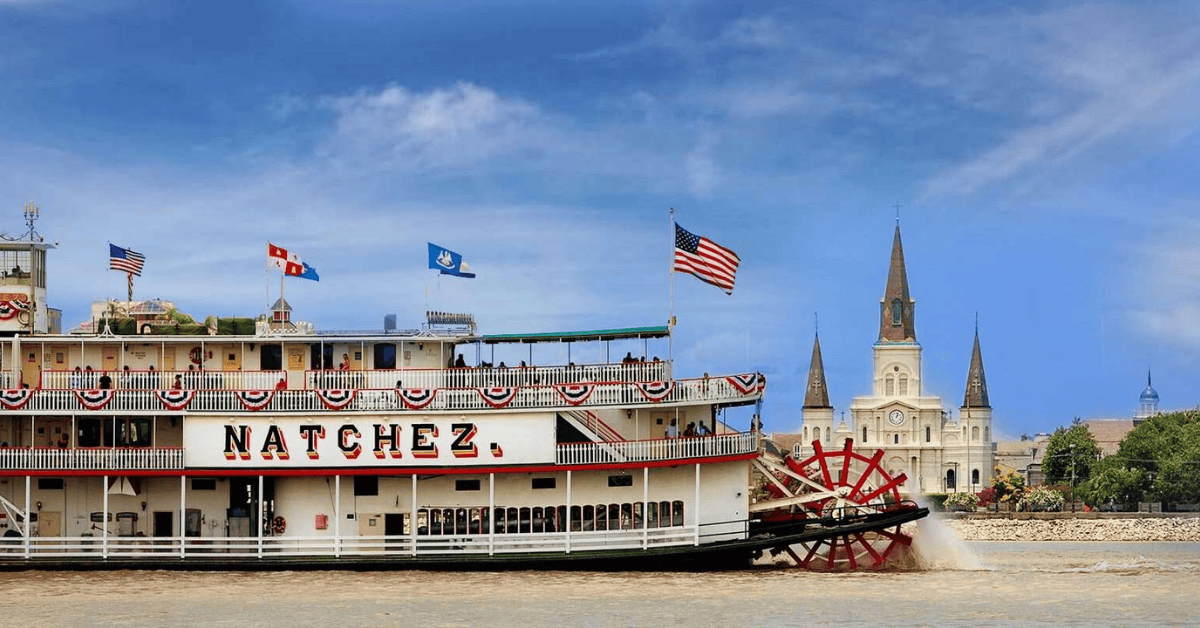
89	377
105	381
281	385
672	430
502	365
178	383
628	359
64	441
690	432
702	430
77	378
345	362
460	363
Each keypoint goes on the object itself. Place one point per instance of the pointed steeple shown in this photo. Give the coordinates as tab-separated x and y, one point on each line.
976	395
816	395
896	320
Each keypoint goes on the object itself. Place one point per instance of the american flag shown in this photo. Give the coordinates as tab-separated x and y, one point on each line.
707	260
125	260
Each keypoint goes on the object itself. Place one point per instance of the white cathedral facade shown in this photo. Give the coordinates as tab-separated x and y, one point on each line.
918	436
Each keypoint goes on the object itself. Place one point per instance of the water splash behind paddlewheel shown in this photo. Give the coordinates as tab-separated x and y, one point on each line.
832	486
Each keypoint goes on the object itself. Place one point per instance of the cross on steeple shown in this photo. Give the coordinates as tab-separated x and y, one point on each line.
897	206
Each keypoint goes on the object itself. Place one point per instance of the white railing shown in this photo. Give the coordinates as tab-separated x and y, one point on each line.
489	377
198	549
706	390
660	449
92	459
162	380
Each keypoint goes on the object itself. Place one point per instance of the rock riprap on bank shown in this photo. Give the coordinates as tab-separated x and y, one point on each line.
1148	529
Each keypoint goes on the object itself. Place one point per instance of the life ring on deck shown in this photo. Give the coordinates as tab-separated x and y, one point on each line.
278	525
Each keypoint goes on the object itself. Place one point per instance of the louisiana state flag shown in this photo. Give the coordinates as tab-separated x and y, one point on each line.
448	262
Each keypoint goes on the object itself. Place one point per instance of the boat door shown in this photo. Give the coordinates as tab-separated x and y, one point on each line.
164	523
168	363
31	366
49	523
231	360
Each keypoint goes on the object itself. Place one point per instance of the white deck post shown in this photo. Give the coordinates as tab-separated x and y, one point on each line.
182	512
259	518
29	516
696	507
569	511
491	513
413	526
104	520
337	516
645	505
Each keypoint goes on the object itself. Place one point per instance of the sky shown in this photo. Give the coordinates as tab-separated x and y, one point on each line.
1041	156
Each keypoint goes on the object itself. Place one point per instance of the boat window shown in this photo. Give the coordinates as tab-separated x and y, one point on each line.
601	517
543	483
270	357
513	520
385	356
639	519
652	515
466	485
50	484
204	484
620	480
366	485
677	513
614	516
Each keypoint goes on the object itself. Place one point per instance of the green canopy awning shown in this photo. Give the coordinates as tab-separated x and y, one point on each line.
577	336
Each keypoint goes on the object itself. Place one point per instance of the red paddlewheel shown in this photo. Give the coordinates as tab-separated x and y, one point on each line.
844	484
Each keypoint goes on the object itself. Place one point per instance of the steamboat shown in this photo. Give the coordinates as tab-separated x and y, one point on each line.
143	439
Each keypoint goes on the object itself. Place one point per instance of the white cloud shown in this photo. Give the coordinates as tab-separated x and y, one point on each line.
1164	288
1101	73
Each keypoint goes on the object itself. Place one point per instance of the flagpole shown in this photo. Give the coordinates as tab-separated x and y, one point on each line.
129	278
671	318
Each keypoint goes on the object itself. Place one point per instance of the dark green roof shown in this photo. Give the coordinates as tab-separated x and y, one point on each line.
579	336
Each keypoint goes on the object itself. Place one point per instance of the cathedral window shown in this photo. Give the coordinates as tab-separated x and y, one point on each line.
974	433
897	312
974	476
987	437
928	434
895	439
903	384
864	433
816	433
889	386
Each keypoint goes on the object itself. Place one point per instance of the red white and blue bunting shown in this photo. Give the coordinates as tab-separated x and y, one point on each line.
416	398
336	398
15	399
655	391
575	394
94	399
255	399
499	396
175	400
747	383
9	308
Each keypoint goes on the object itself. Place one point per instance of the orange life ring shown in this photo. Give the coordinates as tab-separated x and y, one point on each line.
278	525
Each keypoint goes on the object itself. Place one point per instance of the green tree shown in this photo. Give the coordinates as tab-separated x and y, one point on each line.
1070	454
1158	461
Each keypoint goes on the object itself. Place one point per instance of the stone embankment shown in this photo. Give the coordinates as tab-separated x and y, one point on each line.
1067	528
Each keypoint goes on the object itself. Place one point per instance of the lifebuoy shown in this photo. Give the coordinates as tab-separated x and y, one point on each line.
278	525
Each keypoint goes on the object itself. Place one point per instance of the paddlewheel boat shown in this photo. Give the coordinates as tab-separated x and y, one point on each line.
142	440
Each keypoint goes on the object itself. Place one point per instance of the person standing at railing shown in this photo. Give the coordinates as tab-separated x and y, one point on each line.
76	378
178	384
105	381
672	430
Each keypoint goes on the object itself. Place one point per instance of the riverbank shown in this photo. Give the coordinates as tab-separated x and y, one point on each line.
1065	527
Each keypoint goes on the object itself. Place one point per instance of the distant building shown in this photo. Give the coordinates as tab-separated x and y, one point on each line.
920	438
1147	402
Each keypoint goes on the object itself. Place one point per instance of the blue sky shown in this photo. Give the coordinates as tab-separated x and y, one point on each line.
1043	154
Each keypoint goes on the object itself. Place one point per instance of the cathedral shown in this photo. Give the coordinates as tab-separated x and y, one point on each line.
919	437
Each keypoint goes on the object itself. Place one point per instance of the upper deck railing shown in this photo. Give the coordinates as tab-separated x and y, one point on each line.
92	458
488	376
731	389
162	380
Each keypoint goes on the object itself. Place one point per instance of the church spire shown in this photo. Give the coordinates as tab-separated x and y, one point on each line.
896	320
816	395
976	395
